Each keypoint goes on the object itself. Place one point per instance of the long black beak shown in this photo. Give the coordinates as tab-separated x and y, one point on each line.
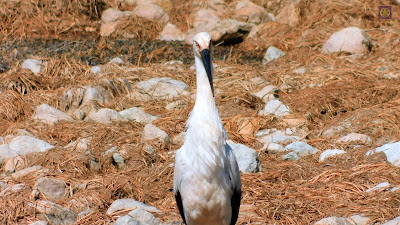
206	58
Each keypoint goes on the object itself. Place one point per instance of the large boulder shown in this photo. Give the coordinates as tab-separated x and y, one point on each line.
50	115
350	39
23	145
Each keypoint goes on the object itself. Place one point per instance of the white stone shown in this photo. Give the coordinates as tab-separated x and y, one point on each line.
138	115
355	138
127	220
126	204
289	14
81	145
274	147
278	137
300	70
93	94
301	148
117	61
105	115
391	151
56	214
112	15
379	187
144	217
119	160
275	107
395	221
32	64
267	93
350	39
151	132
172	33
333	221
246	157
160	88
95	69
272	54
206	16
22	145
330	153
359	220
291	156
53	189
151	12
50	115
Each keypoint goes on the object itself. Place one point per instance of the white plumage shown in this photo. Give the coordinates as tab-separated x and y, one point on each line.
207	182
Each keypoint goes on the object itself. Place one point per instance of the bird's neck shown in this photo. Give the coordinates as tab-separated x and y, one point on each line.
204	95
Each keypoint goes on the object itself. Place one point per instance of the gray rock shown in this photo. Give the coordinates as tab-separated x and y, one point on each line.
267	93
32	64
333	221
105	115
23	145
275	107
330	153
40	222
144	217
391	151
127	220
252	13
151	12
277	137
151	132
95	69
359	220
119	160
160	88
81	145
85	213
50	115
378	187
350	39
52	189
94	164
274	147
291	156
272	54
172	33
117	61
109	151
138	115
246	157
56	214
300	70
30	171
395	221
355	138
93	94
112	15
301	148
126	204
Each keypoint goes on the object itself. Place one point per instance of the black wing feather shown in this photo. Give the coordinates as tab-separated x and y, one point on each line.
178	199
235	203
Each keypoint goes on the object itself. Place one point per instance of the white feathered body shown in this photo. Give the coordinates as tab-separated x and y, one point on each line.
205	167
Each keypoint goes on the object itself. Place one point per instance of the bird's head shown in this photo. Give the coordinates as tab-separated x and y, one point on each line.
202	49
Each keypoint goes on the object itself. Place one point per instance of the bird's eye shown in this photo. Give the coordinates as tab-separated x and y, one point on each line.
198	46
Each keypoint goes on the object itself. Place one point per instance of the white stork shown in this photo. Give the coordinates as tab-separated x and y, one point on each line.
207	182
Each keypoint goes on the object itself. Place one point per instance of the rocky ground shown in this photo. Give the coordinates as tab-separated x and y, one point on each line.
94	96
